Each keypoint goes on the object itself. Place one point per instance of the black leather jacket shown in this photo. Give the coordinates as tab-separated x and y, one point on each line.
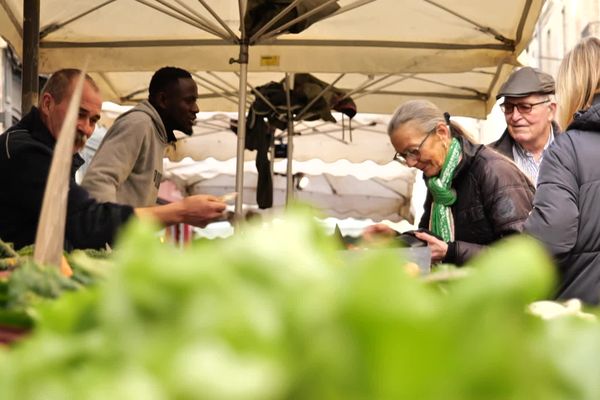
25	160
493	200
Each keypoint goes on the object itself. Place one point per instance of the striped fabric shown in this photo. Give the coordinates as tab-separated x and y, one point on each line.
526	162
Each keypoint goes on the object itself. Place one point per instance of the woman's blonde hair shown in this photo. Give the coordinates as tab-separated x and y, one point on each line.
427	116
578	79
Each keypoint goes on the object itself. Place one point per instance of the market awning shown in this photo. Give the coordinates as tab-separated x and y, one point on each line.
328	142
340	189
421	44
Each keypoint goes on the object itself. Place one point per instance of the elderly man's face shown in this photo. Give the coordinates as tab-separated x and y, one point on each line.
529	127
89	113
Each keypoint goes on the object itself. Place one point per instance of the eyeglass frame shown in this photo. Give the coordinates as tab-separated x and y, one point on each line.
529	107
414	154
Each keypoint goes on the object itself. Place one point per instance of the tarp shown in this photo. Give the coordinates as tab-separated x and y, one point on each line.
340	189
328	142
456	52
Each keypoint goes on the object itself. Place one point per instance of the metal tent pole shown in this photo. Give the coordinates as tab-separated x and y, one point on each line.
31	44
289	187
241	130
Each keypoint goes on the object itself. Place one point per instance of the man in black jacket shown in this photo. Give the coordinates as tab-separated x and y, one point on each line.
529	108
25	160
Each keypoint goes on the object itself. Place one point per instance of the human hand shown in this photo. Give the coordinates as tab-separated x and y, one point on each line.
200	209
377	232
438	247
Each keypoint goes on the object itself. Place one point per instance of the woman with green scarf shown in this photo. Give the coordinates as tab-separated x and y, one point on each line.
475	196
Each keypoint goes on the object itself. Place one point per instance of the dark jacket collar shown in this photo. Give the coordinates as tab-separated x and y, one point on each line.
32	122
588	120
505	144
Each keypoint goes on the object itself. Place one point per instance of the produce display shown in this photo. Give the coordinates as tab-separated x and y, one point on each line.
8	256
25	284
279	312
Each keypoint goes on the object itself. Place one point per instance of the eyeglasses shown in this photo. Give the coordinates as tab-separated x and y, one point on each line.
524	108
411	154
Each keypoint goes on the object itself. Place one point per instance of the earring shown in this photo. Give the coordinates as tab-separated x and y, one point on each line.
445	145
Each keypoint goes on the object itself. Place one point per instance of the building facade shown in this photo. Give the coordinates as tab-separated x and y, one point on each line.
561	26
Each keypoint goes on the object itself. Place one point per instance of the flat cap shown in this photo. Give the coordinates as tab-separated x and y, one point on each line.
526	81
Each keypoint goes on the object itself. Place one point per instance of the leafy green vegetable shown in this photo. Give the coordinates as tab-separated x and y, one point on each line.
281	313
29	284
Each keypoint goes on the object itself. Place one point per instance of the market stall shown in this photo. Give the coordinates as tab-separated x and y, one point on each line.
443	46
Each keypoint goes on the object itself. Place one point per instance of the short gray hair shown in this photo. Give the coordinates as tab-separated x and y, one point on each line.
427	116
423	112
59	83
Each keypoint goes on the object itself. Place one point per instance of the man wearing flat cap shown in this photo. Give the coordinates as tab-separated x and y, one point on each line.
529	107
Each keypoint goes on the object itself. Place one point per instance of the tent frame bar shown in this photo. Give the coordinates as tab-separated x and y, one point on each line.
212	12
192	16
313	101
365	92
205	83
278	31
256	92
273	20
12	17
484	29
349	7
45	31
200	17
366	84
183	18
109	84
222	95
332	43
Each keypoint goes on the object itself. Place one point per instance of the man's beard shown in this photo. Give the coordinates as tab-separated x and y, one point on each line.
173	125
80	140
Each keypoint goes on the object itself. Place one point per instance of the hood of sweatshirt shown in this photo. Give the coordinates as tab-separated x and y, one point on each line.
149	109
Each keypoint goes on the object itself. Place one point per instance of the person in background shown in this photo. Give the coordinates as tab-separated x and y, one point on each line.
529	108
566	215
127	167
26	155
475	196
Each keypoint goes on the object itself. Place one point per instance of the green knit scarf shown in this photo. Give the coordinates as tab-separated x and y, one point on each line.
441	221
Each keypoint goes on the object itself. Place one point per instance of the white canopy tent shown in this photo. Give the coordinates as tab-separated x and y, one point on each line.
455	52
372	37
327	142
340	190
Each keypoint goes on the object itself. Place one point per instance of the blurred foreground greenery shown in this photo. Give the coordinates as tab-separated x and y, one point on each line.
281	313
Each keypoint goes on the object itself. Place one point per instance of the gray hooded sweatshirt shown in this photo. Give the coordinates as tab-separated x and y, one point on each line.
127	168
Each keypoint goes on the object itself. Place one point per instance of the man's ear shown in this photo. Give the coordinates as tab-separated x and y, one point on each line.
161	100
45	102
552	107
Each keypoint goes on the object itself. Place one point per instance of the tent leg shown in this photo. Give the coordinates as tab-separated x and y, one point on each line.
241	133
31	41
289	187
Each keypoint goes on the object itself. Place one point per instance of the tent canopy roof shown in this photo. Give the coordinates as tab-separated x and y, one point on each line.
455	43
